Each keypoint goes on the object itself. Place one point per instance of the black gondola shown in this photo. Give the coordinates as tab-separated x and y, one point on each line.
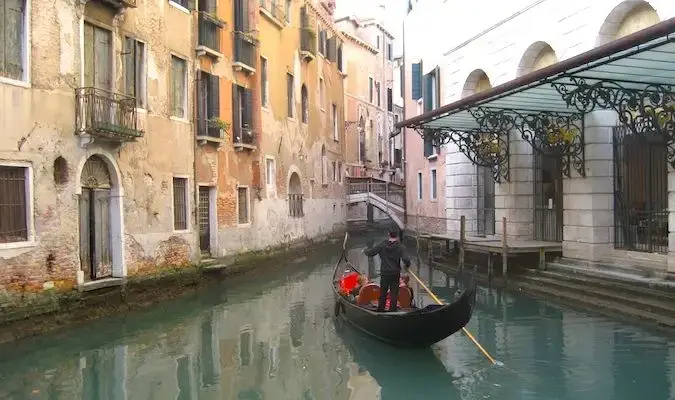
411	327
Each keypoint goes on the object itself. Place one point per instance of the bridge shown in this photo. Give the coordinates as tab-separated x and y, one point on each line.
385	196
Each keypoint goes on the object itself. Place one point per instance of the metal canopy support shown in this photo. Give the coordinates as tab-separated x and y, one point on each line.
550	133
483	148
643	111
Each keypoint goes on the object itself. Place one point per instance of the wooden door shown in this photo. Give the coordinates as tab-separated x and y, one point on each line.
95	248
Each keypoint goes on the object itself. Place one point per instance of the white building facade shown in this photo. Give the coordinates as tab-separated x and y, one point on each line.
625	184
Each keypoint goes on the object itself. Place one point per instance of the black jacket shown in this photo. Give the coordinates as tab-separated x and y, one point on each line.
391	253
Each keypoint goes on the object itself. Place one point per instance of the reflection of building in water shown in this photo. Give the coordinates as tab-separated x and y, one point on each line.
361	384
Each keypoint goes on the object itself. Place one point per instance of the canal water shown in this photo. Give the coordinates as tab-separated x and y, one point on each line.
274	337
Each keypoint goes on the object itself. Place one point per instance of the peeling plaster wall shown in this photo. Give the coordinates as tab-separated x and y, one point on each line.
37	125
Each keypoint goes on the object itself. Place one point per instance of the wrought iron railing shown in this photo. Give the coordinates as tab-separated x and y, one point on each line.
106	114
244	135
273	9
308	40
209	31
208	128
244	48
295	205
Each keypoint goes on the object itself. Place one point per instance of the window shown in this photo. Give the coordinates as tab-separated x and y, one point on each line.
288	11
339	59
241	16
335	170
263	82
432	183
13	48
431	92
419	186
322	95
134	70
14	198
390	100
370	89
270	172
242	115
379	99
178	87
324	166
378	42
336	132
180	210
390	52
208	104
290	94
242	205
429	149
183	3
339	172
304	103
98	56
323	41
416	74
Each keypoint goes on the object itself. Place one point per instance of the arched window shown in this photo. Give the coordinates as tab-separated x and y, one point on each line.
305	104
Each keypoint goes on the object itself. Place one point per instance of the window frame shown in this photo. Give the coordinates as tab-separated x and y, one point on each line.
304	104
186	202
433	184
322	94
420	186
290	96
264	82
270	186
248	205
336	131
30	206
25	43
186	113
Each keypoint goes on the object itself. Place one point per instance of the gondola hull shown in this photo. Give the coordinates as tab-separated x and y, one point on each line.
416	328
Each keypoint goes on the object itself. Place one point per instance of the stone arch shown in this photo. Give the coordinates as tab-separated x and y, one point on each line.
98	171
628	17
537	56
476	82
294	183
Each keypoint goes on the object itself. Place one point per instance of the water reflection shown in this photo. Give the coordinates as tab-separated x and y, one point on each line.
275	338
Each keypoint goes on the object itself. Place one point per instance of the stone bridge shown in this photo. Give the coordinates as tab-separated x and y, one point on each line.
382	195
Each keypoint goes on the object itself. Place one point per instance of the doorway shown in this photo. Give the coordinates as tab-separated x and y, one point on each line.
205	220
94	215
548	198
486	201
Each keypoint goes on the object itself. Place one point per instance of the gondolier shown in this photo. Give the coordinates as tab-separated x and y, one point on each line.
391	252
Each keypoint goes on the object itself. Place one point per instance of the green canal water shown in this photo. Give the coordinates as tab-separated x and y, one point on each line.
274	337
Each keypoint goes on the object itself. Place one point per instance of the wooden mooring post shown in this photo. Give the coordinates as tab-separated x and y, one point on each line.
462	238
505	249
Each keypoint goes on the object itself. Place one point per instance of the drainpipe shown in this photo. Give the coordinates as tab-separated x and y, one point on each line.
404	157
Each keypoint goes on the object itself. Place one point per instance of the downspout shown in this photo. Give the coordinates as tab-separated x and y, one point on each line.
404	160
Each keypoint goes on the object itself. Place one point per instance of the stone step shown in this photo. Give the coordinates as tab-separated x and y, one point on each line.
598	305
645	302
609	283
612	274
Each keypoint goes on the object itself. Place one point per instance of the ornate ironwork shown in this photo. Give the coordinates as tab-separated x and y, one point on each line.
486	149
552	134
643	111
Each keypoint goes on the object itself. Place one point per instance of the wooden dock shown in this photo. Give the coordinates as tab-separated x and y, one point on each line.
493	245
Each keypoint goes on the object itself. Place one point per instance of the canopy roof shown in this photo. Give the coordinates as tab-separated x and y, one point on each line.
643	61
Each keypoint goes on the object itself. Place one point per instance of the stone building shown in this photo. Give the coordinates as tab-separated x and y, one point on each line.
368	97
96	150
607	198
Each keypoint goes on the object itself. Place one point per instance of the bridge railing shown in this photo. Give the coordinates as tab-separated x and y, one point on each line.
390	192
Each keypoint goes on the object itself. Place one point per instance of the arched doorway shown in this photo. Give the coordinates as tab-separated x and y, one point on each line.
295	199
96	259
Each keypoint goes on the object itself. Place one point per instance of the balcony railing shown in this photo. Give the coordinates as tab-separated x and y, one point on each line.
308	41
273	9
209	31
120	3
244	137
106	114
244	49
295	205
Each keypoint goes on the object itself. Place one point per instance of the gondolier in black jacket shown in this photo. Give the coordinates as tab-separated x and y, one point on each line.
391	253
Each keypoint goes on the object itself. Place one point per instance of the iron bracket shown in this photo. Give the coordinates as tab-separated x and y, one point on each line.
550	133
643	111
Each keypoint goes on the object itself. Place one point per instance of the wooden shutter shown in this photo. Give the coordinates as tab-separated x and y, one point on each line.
11	39
129	66
214	96
437	73
244	15
102	58
88	55
428	147
416	72
248	108
200	94
428	93
238	20
236	110
332	49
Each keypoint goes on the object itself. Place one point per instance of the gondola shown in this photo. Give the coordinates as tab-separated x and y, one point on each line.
410	327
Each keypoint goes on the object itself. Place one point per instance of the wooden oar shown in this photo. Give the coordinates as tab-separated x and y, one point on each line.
466	331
